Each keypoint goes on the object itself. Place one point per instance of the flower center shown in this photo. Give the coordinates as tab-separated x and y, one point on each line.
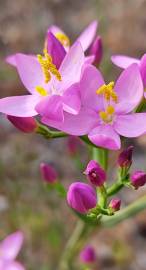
109	95
48	67
63	39
41	90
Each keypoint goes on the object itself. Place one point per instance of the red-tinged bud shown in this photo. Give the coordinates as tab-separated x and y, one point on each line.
88	255
81	197
125	157
96	49
95	174
73	143
48	173
115	204
138	179
25	124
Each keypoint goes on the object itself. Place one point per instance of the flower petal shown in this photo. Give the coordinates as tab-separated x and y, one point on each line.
11	60
55	49
51	107
89	59
22	106
124	61
72	100
143	69
105	136
91	80
129	88
11	245
12	265
79	124
30	72
71	66
131	125
88	35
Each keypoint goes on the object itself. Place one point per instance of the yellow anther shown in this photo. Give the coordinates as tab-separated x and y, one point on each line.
41	91
63	39
103	116
48	67
108	92
110	110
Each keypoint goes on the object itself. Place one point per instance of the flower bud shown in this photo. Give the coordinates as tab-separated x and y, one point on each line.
96	49
88	255
125	157
72	144
48	173
115	204
138	179
81	197
95	174
25	124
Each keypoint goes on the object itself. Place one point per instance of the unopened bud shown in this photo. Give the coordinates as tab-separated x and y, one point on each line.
96	49
88	255
138	179
125	157
25	124
95	174
81	197
48	173
115	204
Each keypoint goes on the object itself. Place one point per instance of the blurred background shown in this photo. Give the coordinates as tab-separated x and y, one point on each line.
24	202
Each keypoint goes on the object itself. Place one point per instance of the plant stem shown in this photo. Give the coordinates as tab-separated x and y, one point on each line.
74	244
113	189
101	156
128	212
49	134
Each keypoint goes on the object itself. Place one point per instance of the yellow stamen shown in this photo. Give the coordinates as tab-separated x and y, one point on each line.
41	91
48	67
107	116
63	39
110	110
108	92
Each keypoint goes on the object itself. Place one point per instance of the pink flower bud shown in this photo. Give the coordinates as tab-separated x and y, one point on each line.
88	255
138	179
95	174
25	124
96	49
73	143
115	204
48	173
125	157
81	197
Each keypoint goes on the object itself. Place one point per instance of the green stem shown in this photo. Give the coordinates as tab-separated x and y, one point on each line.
128	212
74	244
49	134
102	197
101	156
113	189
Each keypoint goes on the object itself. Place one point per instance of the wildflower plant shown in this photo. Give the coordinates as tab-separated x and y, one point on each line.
69	96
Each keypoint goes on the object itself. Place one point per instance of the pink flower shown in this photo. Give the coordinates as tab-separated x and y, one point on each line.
48	173
25	124
52	91
88	255
124	61
106	110
9	249
96	49
85	38
95	174
81	197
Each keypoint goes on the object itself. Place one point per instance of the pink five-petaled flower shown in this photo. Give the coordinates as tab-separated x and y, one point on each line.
95	173
52	91
107	110
124	61
81	197
9	249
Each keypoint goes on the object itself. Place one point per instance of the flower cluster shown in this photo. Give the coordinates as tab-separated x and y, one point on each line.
69	93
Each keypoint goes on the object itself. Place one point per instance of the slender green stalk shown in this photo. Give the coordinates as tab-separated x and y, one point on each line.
128	212
74	244
113	189
101	156
49	134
